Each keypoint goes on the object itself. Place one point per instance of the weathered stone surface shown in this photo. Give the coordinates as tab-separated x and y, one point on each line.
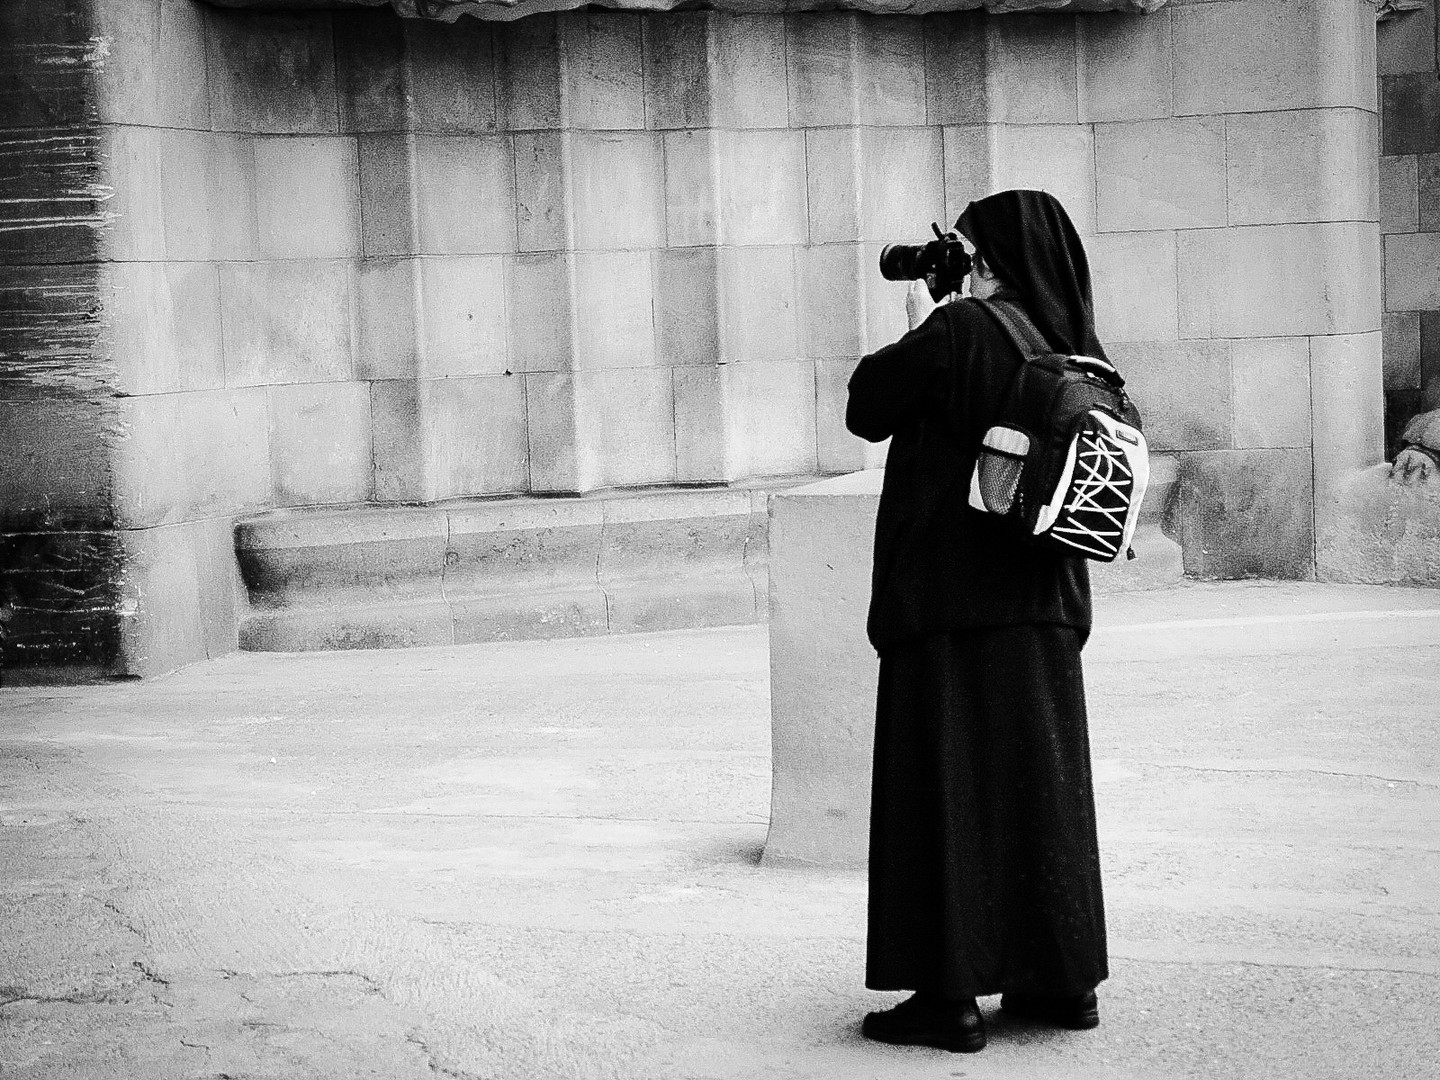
452	76
552	420
1311	165
462	316
1400	337
287	321
955	84
687	303
271	72
387	194
450	10
1347	407
1429	361
320	443
386	341
642	449
163	326
1126	67
1032	71
1244	513
603	164
1255	57
614	310
1379	531
757	316
1280	280
1412	272
1133	275
1411	111
474	436
1405	42
1272	399
541	311
372	79
1160	174
1183	390
829	289
397	450
1399	194
701	449
464	194
307	197
154	69
770	417
603	71
542	207
1056	158
692	213
1428	192
760	187
837	450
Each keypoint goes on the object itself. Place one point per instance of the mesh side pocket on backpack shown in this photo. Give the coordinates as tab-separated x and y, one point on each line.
996	481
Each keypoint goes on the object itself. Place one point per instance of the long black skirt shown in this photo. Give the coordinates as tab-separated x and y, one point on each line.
984	863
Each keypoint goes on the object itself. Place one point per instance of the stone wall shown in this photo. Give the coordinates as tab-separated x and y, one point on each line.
358	259
1410	216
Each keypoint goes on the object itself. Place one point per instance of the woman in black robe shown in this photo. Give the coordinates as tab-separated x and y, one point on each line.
984	864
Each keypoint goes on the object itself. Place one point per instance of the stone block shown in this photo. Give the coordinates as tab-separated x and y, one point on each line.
747	71
271	72
1429	361
692	213
1312	165
1161	174
307	197
770	417
700	600
193	455
1410	111
287	321
617	190
834	183
1347	406
58	471
601	58
397	447
614	310
1400	352
542	191
230	161
320	443
464	194
955	53
829	287
372	79
1134	280
967	168
474	434
757	308
553	419
1182	389
902	183
822	670
759	187
1053	158
221	592
133	167
541	315
820	59
678	84
462	316
188	194
1376	531
701	446
154	69
1399	194
163	326
1405	42
1256	57
528	74
1427	170
890	85
386	338
159	593
388	218
1412	272
1032	69
687	305
1280	280
641	450
1271	392
1126	67
452	75
837	451
1244	513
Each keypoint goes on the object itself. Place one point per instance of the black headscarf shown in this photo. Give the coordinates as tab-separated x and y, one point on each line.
1028	241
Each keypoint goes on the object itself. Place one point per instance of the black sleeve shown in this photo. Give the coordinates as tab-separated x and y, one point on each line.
892	387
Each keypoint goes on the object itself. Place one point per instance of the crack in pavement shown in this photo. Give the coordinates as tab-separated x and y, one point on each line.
1287	772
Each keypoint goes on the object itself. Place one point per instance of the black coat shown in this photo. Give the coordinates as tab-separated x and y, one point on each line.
939	565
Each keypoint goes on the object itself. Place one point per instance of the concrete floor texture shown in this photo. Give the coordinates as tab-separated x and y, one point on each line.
542	859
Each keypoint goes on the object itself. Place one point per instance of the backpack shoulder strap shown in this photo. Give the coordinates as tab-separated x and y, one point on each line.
1017	326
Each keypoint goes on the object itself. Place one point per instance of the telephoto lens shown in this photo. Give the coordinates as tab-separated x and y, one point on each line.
901	262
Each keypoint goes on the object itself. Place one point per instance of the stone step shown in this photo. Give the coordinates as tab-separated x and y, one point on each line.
503	569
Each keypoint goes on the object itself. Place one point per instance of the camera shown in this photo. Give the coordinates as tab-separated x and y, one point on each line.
942	263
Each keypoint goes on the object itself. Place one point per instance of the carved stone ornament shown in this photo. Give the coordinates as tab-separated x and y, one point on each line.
505	10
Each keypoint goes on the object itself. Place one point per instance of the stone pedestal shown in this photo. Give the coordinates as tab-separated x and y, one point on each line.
823	670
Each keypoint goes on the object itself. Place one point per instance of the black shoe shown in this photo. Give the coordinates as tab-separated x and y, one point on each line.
1079	1012
956	1026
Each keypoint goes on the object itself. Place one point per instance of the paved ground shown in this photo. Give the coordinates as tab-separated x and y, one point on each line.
541	860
